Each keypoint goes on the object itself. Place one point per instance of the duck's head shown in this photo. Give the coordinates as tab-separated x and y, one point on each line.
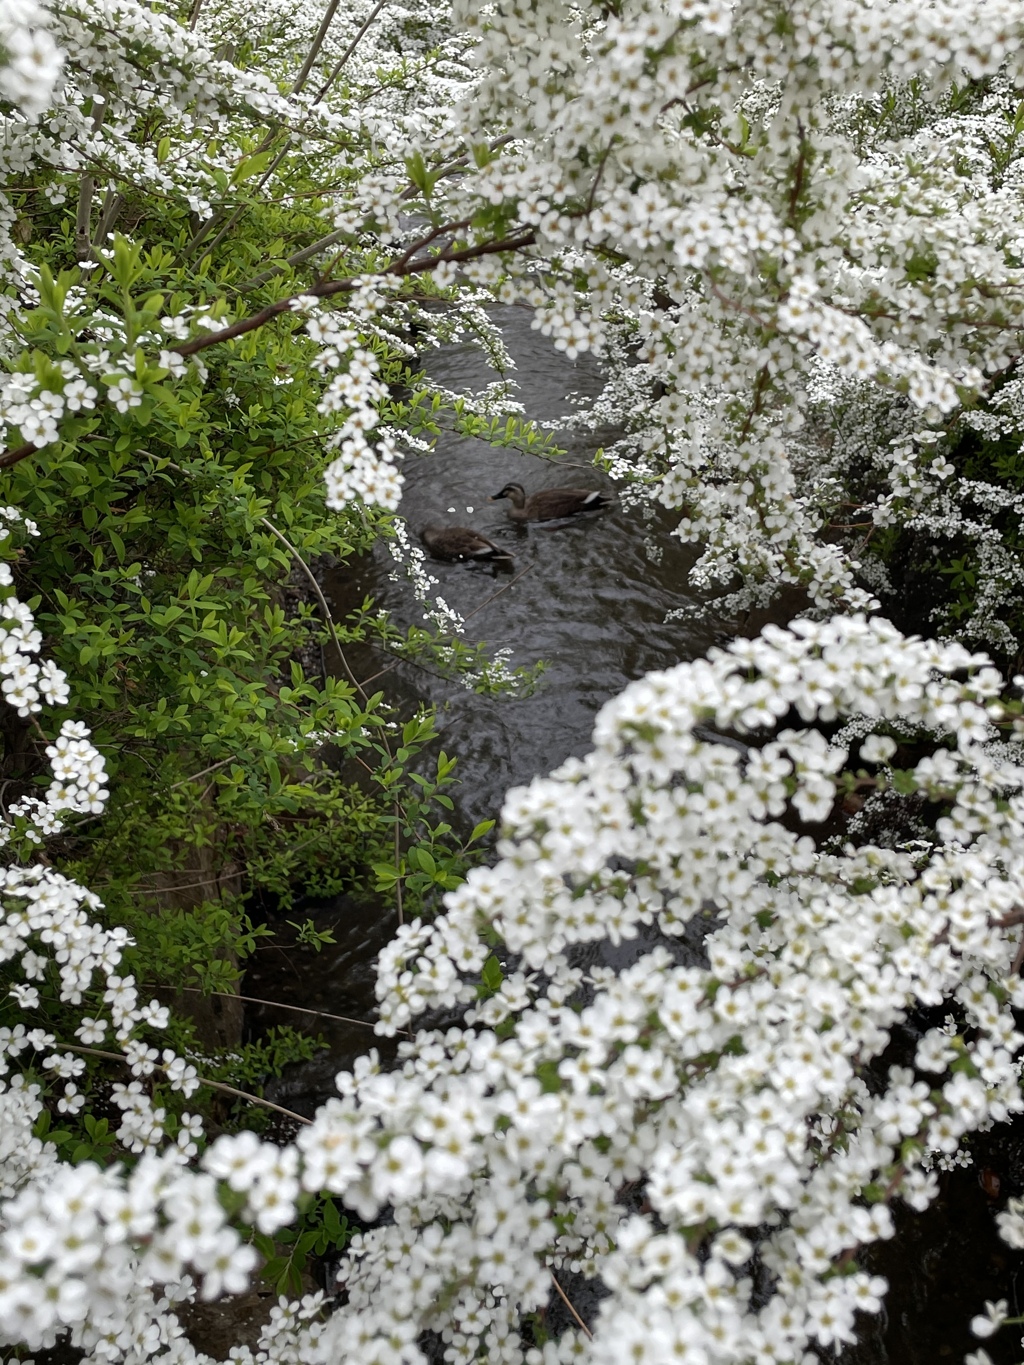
511	490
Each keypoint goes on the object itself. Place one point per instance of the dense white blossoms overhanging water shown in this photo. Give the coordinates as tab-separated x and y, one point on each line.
781	205
754	194
650	1126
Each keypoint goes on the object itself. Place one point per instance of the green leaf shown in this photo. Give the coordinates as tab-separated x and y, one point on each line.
252	165
492	975
424	858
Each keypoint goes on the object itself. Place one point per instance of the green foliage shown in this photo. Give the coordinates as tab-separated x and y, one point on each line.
491	978
248	1064
179	510
168	582
968	581
288	1256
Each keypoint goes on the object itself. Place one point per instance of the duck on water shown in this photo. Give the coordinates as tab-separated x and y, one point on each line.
550	504
462	543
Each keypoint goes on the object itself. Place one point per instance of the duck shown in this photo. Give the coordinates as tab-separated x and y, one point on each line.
550	504
462	543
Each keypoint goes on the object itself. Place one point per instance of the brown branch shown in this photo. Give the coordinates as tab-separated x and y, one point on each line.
12	457
404	267
331	287
333	238
568	1303
212	1085
422	242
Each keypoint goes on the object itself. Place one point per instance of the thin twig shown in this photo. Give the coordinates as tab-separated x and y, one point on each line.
195	776
504	588
566	1300
347	286
398	266
329	619
597	178
348	51
381	672
213	1085
278	1005
160	890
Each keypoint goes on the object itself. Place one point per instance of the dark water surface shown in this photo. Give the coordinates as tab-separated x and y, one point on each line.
593	606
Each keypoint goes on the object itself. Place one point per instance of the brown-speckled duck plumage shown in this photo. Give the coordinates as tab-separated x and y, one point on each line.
461	543
550	504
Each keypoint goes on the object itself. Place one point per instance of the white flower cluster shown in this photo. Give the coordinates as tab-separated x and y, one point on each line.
34	411
726	1086
765	220
100	1253
30	61
648	1127
362	470
79	773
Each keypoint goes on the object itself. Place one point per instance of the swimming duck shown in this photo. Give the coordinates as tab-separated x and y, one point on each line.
550	504
459	542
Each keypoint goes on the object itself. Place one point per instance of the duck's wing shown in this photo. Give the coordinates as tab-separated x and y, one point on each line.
486	549
461	542
550	503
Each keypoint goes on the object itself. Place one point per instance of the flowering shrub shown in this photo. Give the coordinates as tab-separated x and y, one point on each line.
753	210
665	1128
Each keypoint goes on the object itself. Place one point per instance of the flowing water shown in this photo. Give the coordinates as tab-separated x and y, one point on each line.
593	606
586	599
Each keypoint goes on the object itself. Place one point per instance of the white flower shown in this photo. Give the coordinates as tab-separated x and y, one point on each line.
124	392
91	1031
987	1324
877	748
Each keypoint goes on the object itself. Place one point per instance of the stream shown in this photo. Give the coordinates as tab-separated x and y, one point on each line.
593	606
